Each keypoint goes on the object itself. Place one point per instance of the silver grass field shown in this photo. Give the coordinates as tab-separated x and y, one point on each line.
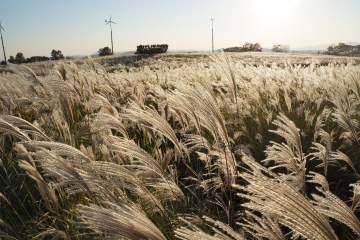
182	146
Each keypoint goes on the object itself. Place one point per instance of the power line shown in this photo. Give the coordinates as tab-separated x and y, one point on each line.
212	33
2	41
107	22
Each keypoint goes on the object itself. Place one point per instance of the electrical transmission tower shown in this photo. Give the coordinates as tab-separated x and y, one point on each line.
212	33
107	22
2	41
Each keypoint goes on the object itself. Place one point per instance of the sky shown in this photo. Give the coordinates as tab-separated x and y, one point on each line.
77	27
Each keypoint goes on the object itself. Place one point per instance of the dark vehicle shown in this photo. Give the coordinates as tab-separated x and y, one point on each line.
151	49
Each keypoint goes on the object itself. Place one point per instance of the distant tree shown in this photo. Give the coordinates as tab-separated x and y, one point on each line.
19	58
56	55
105	51
233	49
37	59
343	49
251	47
151	49
12	59
257	47
280	48
341	45
247	47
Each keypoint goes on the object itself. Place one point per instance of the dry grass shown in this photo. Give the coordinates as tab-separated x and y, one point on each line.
236	146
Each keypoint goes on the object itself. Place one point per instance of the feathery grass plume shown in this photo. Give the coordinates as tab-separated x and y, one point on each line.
61	71
82	85
66	96
150	119
262	227
32	74
224	163
222	229
106	90
210	117
74	171
68	107
288	130
62	126
194	233
104	121
139	94
57	87
88	151
309	117
224	62
269	195
66	175
323	151
75	72
287	99
47	192
90	62
194	142
191	232
206	109
288	155
100	103
118	221
355	85
25	126
14	131
283	156
345	111
8	104
54	233
320	121
330	205
164	158
145	167
355	203
38	84
115	179
183	109
340	156
318	179
60	149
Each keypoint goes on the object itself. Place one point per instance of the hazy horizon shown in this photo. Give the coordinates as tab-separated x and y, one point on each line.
78	27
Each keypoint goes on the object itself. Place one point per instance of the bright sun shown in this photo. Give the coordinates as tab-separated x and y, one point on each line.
274	8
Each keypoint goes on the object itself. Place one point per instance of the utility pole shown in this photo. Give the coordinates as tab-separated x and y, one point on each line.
107	22
212	33
2	41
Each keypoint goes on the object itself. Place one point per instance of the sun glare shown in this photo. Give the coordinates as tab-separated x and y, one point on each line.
274	9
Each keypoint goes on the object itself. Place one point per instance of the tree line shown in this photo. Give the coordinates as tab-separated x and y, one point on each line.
20	58
151	49
54	55
144	49
256	47
247	47
343	49
140	49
